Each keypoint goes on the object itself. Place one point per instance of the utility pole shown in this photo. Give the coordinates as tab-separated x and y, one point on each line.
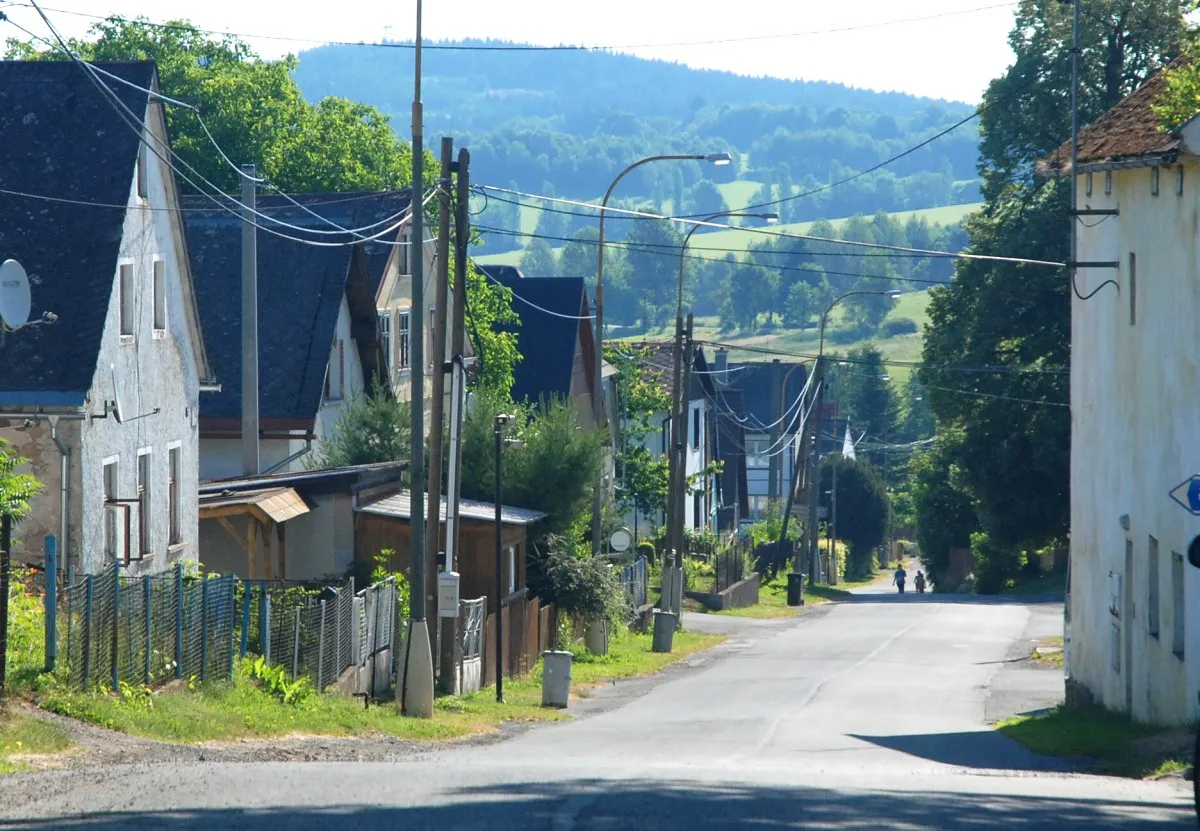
810	532
833	571
415	683
681	490
776	419
450	644
5	569
438	382
250	459
798	466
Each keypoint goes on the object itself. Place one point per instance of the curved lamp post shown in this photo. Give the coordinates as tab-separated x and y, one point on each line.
676	476
598	362
814	460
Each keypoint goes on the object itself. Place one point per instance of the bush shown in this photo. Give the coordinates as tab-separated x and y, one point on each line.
576	582
993	566
26	631
898	326
646	549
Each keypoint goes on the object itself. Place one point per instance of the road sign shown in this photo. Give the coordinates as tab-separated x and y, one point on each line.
801	511
1187	494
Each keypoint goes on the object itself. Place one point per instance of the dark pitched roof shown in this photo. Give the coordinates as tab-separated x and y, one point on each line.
660	360
300	289
754	379
1127	132
501	272
62	138
547	343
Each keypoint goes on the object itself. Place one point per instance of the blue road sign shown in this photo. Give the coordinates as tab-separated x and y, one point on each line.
1187	494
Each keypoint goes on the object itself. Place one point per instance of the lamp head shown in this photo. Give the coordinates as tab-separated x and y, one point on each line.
895	295
771	218
503	419
719	159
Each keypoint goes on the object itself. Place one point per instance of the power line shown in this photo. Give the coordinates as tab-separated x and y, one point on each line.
450	47
782	234
531	304
646	248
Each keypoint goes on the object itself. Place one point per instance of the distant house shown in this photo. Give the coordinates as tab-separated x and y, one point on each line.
318	341
1135	426
555	341
771	420
102	401
700	507
503	273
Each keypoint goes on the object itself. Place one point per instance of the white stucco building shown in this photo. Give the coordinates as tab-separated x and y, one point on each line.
1134	601
103	400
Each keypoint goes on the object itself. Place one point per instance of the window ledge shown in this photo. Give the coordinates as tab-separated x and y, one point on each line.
176	547
160	334
128	340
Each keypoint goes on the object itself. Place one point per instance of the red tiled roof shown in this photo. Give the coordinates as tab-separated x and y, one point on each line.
1126	132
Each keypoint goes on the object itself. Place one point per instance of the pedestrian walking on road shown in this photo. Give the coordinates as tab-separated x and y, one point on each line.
919	582
900	577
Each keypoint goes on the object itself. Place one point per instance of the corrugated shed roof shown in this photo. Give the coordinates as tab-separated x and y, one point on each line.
1126	132
399	506
63	138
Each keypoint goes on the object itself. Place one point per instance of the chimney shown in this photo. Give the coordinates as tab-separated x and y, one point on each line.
721	364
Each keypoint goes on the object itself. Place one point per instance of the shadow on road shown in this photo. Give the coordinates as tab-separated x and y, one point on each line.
968	599
983	749
587	804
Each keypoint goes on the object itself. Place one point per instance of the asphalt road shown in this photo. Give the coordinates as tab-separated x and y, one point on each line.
870	714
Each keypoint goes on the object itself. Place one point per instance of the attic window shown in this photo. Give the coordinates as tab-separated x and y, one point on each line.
402	341
160	296
1108	183
1087	187
385	337
126	299
142	188
1154	181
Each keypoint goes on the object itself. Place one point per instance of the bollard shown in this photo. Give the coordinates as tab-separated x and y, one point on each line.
556	679
664	631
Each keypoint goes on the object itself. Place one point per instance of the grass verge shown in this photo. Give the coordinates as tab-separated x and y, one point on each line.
1050	583
241	709
1106	742
22	738
772	600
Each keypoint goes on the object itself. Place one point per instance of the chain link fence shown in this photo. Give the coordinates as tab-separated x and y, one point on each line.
634	578
146	630
153	629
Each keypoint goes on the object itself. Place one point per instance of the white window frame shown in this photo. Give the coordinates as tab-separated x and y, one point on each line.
334	373
174	500
403	339
510	554
110	492
145	496
159	290
1179	606
127	300
385	337
142	181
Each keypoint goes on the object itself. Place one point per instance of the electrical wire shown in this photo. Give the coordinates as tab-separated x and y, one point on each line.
780	234
398	219
531	47
533	305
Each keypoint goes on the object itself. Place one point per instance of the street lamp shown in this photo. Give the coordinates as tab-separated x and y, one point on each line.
598	359
814	459
500	422
675	461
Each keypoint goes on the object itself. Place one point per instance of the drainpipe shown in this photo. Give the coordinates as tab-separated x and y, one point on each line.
64	508
307	449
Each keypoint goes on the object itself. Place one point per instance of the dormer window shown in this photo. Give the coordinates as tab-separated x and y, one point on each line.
143	189
333	377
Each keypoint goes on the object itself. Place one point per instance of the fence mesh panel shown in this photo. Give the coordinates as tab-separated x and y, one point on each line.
137	630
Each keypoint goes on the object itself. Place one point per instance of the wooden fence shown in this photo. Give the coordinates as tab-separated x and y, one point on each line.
527	634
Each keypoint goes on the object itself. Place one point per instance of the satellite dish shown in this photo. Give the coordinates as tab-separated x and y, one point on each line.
620	540
14	294
117	408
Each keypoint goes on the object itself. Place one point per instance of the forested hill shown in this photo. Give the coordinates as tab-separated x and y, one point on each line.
563	122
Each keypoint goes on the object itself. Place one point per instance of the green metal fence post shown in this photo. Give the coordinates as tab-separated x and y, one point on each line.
51	602
149	625
179	620
116	629
87	628
232	621
203	629
247	599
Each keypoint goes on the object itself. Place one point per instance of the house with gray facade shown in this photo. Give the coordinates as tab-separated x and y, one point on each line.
100	391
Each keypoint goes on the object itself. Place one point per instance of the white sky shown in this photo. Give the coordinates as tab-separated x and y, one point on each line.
951	57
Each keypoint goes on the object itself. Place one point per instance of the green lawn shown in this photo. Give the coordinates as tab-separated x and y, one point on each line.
240	709
1106	742
772	599
22	737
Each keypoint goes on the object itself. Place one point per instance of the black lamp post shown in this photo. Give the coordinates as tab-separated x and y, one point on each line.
501	421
